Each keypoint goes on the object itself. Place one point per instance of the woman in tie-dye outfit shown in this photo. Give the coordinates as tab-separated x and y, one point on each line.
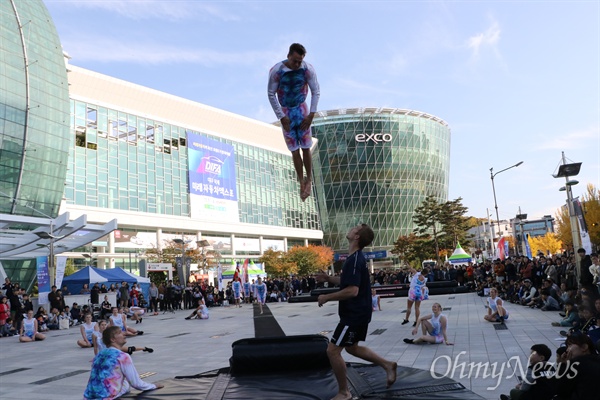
113	372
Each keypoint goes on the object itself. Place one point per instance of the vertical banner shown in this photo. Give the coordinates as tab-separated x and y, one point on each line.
220	276
180	272
506	249
527	246
43	279
212	179
586	243
245	271
500	252
61	264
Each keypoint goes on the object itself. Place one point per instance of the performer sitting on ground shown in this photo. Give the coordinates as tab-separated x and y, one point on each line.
434	328
99	344
496	310
118	319
201	312
113	372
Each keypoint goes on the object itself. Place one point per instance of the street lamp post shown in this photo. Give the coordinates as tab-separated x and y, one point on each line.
492	175
566	170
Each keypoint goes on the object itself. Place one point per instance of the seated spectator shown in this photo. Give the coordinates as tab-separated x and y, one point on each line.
529	292
29	329
565	293
65	315
273	296
210	299
52	323
571	316
539	382
42	318
65	291
8	328
76	314
550	303
586	321
578	378
85	289
105	308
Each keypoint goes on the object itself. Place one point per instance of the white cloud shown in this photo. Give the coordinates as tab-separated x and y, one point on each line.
154	9
485	40
107	50
572	140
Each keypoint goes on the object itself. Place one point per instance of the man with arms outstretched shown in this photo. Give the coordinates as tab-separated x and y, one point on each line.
289	81
355	312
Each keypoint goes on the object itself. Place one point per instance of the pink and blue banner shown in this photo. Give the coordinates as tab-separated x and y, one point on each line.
43	278
212	179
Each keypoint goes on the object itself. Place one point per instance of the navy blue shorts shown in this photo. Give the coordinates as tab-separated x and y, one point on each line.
349	335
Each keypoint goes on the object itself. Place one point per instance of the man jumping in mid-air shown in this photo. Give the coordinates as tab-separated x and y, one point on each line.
289	81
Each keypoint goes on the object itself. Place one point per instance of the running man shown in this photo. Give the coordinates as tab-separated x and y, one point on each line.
355	312
289	81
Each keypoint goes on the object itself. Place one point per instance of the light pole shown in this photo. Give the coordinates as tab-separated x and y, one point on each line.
567	170
492	175
182	242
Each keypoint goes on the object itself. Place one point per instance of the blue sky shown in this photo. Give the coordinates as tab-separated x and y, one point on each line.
516	81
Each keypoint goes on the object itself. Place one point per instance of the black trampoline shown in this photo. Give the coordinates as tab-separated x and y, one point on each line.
297	367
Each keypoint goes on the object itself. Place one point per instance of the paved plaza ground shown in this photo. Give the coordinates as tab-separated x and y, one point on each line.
58	369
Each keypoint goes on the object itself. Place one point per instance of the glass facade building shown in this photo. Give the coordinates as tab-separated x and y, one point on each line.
124	161
34	111
375	166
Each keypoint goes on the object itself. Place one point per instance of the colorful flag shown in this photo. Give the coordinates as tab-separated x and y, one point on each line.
245	272
501	243
236	274
527	246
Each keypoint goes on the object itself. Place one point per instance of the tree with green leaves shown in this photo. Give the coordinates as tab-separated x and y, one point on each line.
428	222
438	228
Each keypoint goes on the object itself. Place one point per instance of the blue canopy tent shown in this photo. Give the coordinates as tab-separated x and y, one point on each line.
91	275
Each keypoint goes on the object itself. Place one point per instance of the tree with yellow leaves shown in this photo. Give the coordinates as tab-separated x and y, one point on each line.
547	244
590	202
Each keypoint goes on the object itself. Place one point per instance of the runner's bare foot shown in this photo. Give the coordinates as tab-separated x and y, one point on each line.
391	374
343	396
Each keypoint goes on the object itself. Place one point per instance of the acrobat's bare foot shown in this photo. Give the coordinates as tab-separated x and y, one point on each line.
343	396
303	190
307	187
391	374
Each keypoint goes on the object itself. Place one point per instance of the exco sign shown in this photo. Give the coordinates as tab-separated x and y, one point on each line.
373	137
